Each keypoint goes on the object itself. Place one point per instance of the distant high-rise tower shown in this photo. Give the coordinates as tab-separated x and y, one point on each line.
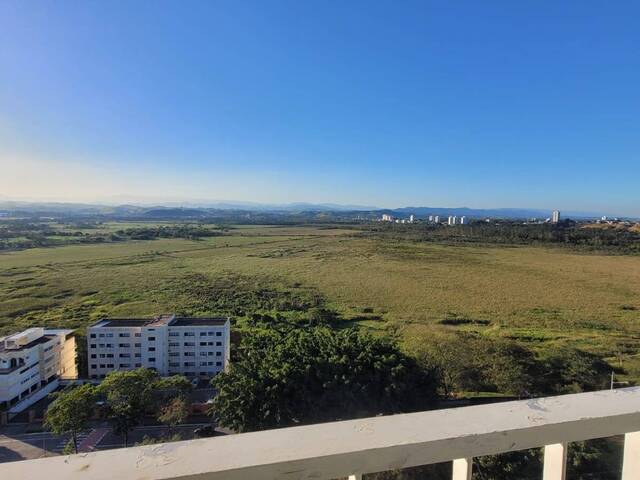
463	220
453	220
430	218
436	219
412	219
555	216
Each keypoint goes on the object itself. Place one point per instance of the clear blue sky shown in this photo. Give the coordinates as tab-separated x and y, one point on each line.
387	103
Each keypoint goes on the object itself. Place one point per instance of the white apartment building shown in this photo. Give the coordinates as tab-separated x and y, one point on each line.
194	347
463	220
453	220
555	216
32	363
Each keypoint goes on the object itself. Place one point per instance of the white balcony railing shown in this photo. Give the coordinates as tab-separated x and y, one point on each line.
351	448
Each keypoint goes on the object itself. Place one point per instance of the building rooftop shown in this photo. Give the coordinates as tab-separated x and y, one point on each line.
43	339
160	320
189	322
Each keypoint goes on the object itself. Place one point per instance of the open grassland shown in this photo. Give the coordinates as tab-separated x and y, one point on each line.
538	296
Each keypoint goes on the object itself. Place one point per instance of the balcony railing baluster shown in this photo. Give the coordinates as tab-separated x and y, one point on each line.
631	462
462	468
555	462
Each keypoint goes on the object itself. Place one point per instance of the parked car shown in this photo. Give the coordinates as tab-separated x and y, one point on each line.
206	431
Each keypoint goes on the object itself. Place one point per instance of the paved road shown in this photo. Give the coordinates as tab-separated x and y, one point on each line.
26	446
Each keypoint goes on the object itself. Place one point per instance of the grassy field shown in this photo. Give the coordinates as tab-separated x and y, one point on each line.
539	296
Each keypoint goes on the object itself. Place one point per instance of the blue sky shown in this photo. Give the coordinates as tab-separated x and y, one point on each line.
481	104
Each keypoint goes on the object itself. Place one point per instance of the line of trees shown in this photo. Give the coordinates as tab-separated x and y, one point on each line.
567	233
127	397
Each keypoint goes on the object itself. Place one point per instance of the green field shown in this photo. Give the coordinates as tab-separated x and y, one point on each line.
535	295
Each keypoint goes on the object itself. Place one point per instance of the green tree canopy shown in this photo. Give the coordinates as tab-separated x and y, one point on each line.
314	375
71	411
128	396
174	412
568	370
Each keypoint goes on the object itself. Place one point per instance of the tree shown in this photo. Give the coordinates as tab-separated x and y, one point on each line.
128	395
175	386
467	362
174	413
317	374
71	411
569	370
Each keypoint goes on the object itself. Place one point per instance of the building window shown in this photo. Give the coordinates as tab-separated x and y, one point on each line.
174	344
138	355
109	335
102	365
102	355
174	354
218	354
109	365
137	334
189	354
138	365
93	345
109	355
189	344
137	345
124	345
203	364
218	344
125	365
203	354
152	359
152	339
210	354
189	334
94	366
218	364
93	335
203	344
174	334
93	355
152	349
203	334
101	335
189	364
125	355
123	335
218	334
174	364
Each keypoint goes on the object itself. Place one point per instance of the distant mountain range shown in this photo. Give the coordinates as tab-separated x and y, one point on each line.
205	209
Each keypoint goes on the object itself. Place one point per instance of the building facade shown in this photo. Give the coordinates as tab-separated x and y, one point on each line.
555	216
194	347
32	363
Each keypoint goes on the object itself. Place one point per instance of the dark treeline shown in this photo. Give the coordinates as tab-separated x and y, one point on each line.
23	234
191	232
568	233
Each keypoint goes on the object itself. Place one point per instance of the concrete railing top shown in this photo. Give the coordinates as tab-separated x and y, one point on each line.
332	450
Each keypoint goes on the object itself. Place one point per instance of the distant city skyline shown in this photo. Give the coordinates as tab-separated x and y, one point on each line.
489	105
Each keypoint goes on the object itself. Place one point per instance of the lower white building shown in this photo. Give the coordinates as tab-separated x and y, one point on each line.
32	363
194	347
